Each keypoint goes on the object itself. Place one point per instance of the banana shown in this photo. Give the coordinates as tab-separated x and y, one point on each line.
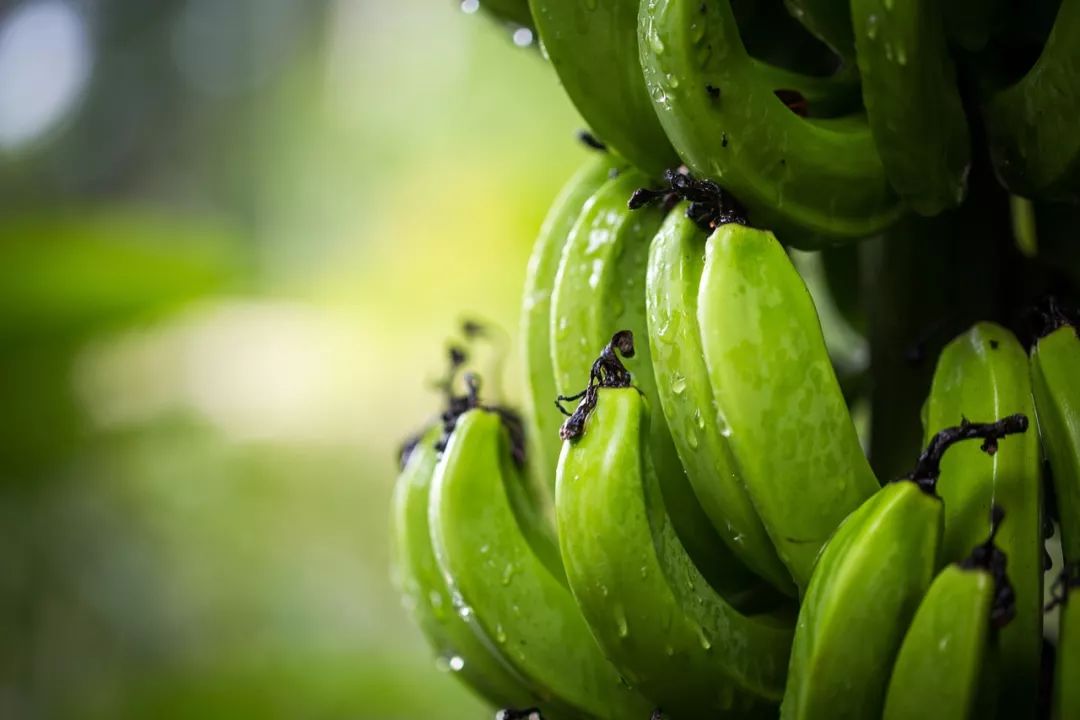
905	67
866	587
682	383
425	593
810	178
1031	124
777	400
542	419
1066	699
1055	380
600	288
593	48
670	634
940	665
829	21
985	373
505	575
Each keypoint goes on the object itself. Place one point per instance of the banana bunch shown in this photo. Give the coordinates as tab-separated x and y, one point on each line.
703	535
801	411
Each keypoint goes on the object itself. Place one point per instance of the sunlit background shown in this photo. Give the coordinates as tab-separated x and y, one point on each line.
233	239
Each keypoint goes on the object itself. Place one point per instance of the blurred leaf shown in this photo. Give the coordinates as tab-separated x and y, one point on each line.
84	272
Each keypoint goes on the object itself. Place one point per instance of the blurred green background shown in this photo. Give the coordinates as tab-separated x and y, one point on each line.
233	239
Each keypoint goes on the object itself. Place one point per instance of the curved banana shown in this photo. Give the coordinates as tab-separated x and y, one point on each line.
940	666
593	48
426	595
984	373
777	400
682	384
504	574
658	620
814	178
1031	126
867	585
829	21
906	68
600	288
542	418
1055	380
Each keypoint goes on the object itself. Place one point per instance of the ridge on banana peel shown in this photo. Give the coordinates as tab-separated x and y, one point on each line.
775	395
941	666
542	418
659	621
600	288
505	575
686	397
867	585
985	372
427	596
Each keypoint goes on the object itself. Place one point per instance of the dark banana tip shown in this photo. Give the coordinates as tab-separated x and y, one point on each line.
607	372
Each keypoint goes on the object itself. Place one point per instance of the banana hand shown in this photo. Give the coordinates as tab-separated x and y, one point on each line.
984	373
600	289
505	575
425	593
813	178
659	621
682	382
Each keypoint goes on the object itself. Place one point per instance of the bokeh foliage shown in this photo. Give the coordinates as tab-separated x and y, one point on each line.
225	280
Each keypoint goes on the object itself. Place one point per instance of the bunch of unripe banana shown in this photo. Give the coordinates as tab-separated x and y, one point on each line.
709	507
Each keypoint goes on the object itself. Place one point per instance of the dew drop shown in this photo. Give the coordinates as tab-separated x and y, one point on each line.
621	626
678	383
500	634
470	6
456	663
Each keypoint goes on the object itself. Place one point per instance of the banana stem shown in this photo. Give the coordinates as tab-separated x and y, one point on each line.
928	468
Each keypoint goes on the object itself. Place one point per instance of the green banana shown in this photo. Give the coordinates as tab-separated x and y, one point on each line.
542	418
1055	381
600	288
1031	124
777	400
829	21
504	574
906	68
670	634
682	383
593	48
1066	701
866	587
940	666
812	178
425	593
984	373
